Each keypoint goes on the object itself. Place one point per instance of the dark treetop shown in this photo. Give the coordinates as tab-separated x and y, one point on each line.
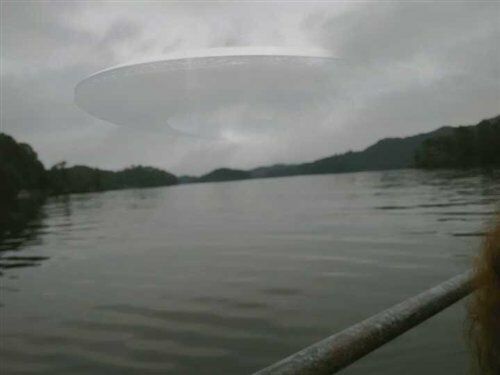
24	181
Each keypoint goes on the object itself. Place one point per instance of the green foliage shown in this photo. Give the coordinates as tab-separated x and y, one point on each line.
388	153
82	179
465	147
224	174
24	181
20	170
141	176
19	167
446	147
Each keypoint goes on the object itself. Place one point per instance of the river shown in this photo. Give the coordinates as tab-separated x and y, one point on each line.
226	278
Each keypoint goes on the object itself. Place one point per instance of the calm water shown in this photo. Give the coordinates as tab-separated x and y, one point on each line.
227	278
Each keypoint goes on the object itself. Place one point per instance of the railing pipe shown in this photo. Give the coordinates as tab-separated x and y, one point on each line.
342	349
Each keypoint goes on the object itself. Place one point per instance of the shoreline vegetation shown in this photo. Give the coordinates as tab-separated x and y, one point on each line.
462	147
25	183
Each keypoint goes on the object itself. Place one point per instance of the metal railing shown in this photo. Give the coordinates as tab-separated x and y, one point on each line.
344	348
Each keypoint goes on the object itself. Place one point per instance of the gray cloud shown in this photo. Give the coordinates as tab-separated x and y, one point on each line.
412	67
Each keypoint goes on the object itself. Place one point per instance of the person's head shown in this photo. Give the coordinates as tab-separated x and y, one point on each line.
484	309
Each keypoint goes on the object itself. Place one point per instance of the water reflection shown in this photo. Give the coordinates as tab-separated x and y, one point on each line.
20	261
12	246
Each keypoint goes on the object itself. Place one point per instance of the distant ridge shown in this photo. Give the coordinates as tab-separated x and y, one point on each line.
466	147
25	181
386	154
225	174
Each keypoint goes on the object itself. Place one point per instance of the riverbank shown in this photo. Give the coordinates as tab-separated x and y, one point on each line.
25	182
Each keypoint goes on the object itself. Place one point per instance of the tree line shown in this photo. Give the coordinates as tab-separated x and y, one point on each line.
24	181
461	147
464	147
83	179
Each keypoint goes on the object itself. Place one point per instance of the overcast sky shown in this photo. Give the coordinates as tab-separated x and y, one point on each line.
415	66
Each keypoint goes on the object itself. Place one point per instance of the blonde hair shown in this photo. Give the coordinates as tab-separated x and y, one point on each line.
484	307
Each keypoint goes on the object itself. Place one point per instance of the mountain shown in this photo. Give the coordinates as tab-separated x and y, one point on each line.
388	153
225	174
464	147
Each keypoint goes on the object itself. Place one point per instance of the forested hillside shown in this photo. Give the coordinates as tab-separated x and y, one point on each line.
446	147
83	179
464	147
24	181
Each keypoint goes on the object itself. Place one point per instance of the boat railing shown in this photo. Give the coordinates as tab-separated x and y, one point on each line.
344	348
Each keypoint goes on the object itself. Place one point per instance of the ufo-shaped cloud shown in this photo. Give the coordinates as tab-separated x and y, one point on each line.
207	92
